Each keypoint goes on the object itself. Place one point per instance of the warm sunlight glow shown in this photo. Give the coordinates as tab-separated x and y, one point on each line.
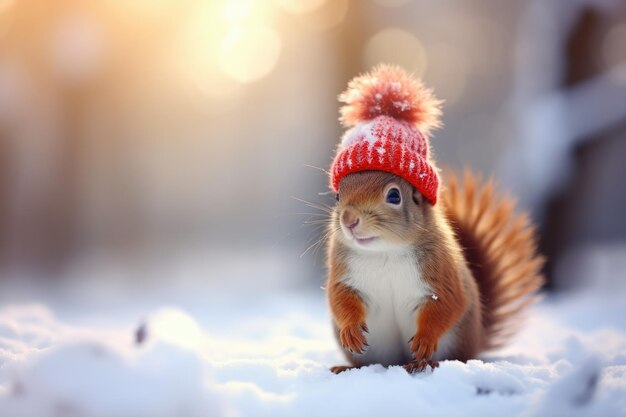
396	46
228	43
235	11
77	46
249	52
6	16
300	6
5	4
146	8
197	63
329	15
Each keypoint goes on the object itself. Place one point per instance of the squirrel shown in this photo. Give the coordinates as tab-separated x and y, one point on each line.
418	273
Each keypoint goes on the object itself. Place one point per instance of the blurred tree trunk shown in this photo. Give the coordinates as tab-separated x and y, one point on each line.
6	169
590	210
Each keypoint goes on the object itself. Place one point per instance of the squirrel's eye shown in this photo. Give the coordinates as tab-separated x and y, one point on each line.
337	196
393	196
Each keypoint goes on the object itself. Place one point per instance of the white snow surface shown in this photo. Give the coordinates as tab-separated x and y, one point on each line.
267	354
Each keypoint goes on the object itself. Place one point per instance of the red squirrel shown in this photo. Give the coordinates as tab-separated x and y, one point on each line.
417	273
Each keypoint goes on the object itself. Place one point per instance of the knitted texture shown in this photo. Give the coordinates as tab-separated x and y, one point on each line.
390	113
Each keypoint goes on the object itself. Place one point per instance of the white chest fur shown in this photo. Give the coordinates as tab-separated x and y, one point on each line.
392	288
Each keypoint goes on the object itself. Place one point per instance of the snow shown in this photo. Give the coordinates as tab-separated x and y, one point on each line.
362	131
267	354
402	105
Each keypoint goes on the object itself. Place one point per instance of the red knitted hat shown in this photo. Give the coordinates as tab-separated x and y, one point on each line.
390	115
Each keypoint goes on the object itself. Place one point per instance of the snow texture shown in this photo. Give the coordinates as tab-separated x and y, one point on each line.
268	355
362	131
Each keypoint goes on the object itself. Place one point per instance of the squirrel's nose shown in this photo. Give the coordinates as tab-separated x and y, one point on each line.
349	219
353	224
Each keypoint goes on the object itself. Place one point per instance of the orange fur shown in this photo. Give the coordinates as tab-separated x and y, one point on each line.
441	264
347	309
500	249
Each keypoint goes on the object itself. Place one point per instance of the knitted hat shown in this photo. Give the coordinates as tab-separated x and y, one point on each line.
390	115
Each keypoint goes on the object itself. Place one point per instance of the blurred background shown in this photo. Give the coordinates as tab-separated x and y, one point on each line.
160	143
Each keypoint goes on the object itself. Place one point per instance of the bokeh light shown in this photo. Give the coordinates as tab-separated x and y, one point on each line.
329	15
396	46
300	6
227	44
77	46
249	53
195	51
236	11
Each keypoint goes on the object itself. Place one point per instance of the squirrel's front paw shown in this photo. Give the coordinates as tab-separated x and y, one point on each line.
422	347
352	338
419	365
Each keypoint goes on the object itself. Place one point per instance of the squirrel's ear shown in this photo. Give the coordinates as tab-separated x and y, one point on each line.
418	198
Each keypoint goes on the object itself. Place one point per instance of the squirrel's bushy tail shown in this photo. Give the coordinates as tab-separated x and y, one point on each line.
501	251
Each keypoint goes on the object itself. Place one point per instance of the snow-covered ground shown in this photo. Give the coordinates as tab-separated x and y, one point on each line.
267	354
259	344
